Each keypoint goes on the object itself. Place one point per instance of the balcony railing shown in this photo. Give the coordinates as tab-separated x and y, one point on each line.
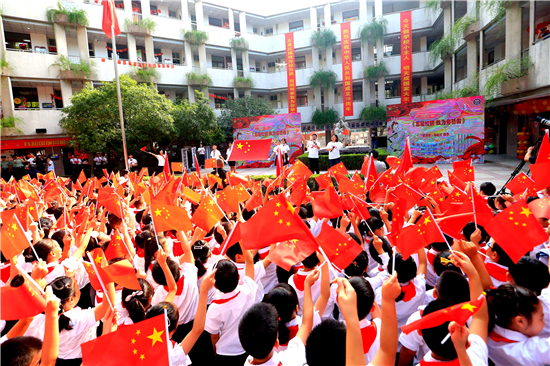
40	51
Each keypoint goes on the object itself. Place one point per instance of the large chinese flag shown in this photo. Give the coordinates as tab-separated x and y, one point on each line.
340	248
516	230
168	217
109	19
144	343
250	150
21	302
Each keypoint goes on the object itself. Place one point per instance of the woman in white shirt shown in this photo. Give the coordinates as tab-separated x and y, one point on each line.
333	148
285	150
49	165
202	153
231	163
161	160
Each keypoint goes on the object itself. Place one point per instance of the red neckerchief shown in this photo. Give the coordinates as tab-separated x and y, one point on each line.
50	269
223	301
368	335
431	256
299	280
179	284
293	329
140	253
409	290
5	273
498	338
454	362
177	250
263	253
496	271
173	343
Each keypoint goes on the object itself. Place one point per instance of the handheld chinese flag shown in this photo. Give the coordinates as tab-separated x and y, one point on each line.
516	230
298	191
521	183
235	179
191	195
455	181
13	237
540	207
228	199
324	180
299	169
346	185
112	204
429	230
369	172
290	252
116	248
242	193
109	19
250	150
340	248
406	160
82	177
167	217
544	151
210	163
328	206
277	221
462	164
143	343
339	168
393	161
197	166
541	174
409	240
360	207
21	302
123	274
208	214
255	200
465	174
233	238
100	262
459	313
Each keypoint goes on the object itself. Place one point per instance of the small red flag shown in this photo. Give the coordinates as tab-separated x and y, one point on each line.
116	248
544	151
339	168
540	207
13	237
328	206
191	195
455	181
298	191
208	214
360	207
299	169
406	160
324	180
409	240
228	199
143	148
255	200
393	161
82	177
368	170
346	185
521	183
210	164
290	252
112	204
109	19
541	175
462	164
167	217
250	150
233	238
465	174
429	230
21	302
340	248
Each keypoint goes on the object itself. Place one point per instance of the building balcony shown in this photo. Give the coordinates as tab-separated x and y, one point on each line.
420	63
305	112
421	18
32	65
39	118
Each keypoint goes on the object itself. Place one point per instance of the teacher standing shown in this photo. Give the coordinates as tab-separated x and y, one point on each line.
333	148
231	163
161	160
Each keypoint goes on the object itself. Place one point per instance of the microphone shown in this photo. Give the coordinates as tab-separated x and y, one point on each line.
543	121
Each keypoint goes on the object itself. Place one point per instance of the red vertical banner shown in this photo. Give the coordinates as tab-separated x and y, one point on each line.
347	77
290	72
406	58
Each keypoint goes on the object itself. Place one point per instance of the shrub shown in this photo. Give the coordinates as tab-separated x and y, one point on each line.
323	78
238	44
374	114
195	37
196	78
323	38
74	16
241	82
351	161
4	65
373	72
324	118
82	68
147	23
144	73
374	30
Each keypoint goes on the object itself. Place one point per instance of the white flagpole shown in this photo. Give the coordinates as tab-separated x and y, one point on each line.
167	335
105	294
115	61
473	205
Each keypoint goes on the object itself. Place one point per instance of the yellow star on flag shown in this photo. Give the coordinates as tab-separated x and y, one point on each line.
427	220
156	336
98	259
239	146
158	212
138	332
525	211
469	307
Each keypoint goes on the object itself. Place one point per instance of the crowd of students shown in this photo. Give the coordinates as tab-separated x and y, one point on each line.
235	306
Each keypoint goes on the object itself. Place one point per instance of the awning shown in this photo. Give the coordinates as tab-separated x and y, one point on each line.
33	143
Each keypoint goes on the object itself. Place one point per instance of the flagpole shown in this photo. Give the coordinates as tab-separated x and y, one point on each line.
105	293
167	335
473	205
115	61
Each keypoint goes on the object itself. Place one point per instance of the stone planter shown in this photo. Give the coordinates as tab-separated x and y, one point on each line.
471	31
446	56
142	79
242	85
138	30
10	131
514	85
445	4
71	75
198	83
5	72
62	19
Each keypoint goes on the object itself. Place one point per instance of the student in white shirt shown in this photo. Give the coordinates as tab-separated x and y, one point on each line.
313	152
215	153
231	163
285	150
278	149
132	163
227	308
134	303
202	153
333	148
75	160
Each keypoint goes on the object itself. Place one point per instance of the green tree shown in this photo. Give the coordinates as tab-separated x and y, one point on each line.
242	107
92	119
195	122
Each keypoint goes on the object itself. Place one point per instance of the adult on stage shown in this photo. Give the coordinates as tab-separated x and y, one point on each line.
313	152
161	160
132	163
231	163
285	150
202	154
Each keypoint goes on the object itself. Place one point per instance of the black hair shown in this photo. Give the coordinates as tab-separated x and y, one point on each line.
374	153
172	313
227	276
329	335
283	275
233	250
147	220
509	301
20	351
406	269
309	207
46	224
151	247
142	238
469	229
217	236
531	199
123	172
63	288
386	246
311	261
58	237
359	265
303	213
355	237
43	248
137	303
530	273
258	330
201	251
491	203
442	245
248	214
504	259
365	295
374	224
58	212
453	287
439	261
434	336
114	220
488	188
158	273
284	298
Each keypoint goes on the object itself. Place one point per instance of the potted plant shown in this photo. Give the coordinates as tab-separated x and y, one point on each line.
5	67
515	75
323	38
198	79
195	37
69	70
374	72
140	27
240	82
374	30
65	16
238	44
144	75
8	126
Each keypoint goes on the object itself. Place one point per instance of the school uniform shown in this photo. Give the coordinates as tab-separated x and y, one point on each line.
431	276
413	340
370	337
259	273
285	149
297	281
378	280
497	272
477	351
544	299
124	319
224	314
294	325
378	268
177	355
508	347
216	154
294	355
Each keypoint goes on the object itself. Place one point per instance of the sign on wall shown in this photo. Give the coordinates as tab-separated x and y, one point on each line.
290	72
347	75
440	131
276	127
406	58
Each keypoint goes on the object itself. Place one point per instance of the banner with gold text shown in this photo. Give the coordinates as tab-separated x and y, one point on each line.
290	72
406	58
347	77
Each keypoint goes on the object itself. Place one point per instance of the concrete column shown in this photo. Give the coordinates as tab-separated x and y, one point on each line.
329	94
327	15
2	39
424	85
471	57
247	92
513	32
236	93
60	39
231	19
246	64
423	43
377	8
362	9
481	46
6	95
531	23
82	38
366	92
315	58
145	8
188	55
199	14
242	21
202	58
234	61
191	93
381	79
66	92
185	15
132	49
448	74
313	18
447	24
150	49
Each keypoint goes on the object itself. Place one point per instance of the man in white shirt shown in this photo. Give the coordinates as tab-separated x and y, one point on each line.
132	163
380	166
313	150
215	153
161	160
202	154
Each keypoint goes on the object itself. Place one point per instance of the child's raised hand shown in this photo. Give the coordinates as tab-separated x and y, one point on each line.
208	281
390	288
476	236
161	257
383	214
459	335
33	226
52	302
40	270
312	277
344	222
377	242
347	298
468	248
462	261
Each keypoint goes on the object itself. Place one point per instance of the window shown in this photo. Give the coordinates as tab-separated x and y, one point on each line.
460	64
119	5
269	31
91	49
273	98
196	58
296	26
215	22
491	58
300	62
176	58
356	54
154	10
136	7
18	41
350	15
24	98
158	55
388	49
172	14
271	64
237	27
301	99
193	18
255	30
218	62
357	92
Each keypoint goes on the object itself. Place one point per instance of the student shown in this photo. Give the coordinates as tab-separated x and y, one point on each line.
202	153
132	163
487	189
215	153
333	148
49	165
285	149
497	263
235	253
232	164
530	273
227	308
135	303
379	250
313	152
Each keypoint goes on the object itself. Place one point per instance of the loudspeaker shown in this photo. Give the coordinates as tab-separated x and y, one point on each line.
41	130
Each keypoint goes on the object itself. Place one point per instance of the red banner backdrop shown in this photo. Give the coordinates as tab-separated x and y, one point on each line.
33	143
406	58
346	69
290	72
